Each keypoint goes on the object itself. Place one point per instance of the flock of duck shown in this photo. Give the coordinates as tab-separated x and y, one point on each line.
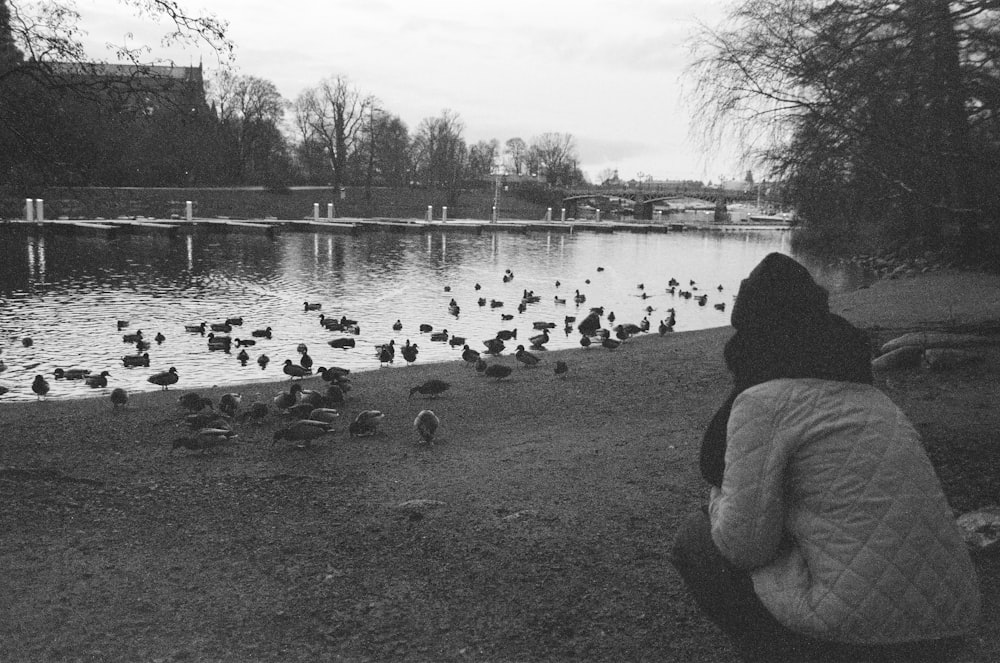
311	414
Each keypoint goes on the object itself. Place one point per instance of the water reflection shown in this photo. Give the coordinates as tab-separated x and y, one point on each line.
67	293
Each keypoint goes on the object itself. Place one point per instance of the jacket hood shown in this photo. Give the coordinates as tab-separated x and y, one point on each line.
778	292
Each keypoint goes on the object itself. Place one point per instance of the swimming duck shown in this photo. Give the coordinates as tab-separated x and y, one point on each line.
481	301
71	373
206	438
506	316
97	381
132	338
122	324
164	379
526	357
195	402
3	390
506	334
721	306
494	346
540	340
561	369
386	354
426	328
454	309
243	357
142	346
221	327
311	306
305	361
560	300
131	361
456	341
27	342
495	303
664	328
397	326
118	397
261	333
304	430
611	318
235	322
498	371
366	423
293	370
644	324
195	329
229	404
440	336
426	425
432	388
262	361
223	343
244	342
159	338
40	386
579	297
332	324
343	343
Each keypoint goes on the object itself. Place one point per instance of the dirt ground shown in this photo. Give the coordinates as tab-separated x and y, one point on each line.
536	528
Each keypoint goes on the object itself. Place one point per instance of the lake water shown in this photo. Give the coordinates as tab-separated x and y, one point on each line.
66	293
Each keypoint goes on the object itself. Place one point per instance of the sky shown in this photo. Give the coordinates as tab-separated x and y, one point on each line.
611	74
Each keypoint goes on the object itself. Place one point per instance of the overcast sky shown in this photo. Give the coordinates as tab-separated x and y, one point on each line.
608	72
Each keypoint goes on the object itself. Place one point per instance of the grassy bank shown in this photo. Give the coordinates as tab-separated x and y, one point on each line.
536	529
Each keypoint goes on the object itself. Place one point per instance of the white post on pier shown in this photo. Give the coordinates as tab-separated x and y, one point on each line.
39	210
493	218
29	209
189	210
444	214
548	214
562	215
329	211
598	215
316	212
430	212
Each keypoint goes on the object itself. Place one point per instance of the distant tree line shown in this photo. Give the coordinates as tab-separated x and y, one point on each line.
67	121
880	118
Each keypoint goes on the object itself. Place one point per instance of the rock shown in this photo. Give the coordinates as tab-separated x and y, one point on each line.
942	359
937	340
904	357
981	529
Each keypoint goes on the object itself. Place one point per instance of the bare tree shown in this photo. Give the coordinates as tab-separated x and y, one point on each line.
482	157
517	154
333	114
556	154
439	151
251	110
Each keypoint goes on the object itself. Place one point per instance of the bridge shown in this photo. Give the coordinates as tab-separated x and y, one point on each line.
641	199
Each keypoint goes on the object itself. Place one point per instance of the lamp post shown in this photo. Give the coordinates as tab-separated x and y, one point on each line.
371	149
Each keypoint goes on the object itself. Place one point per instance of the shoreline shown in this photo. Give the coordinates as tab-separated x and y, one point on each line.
537	527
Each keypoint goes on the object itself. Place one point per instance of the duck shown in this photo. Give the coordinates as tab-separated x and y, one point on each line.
223	343
333	373
287	399
118	397
131	361
584	341
27	342
159	338
142	346
469	356
506	334
561	369
481	301
255	412
132	338
335	394
311	306
456	341
386	354
498	371
496	303
721	306
312	397
3	390
97	381
664	328
305	361
644	324
526	357
165	378
366	423
221	327
293	370
40	386
611	344
397	326
246	343
611	317
324	414
235	322
494	346
209	419
122	324
261	333
331	324
432	388
263	361
426	425
205	439
243	357
409	352
579	297
506	316
71	373
590	324
454	309
559	300
441	336
426	328
342	343
229	404
195	402
196	329
305	431
540	340
300	410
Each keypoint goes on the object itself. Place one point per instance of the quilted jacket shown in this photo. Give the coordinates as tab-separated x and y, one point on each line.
830	501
